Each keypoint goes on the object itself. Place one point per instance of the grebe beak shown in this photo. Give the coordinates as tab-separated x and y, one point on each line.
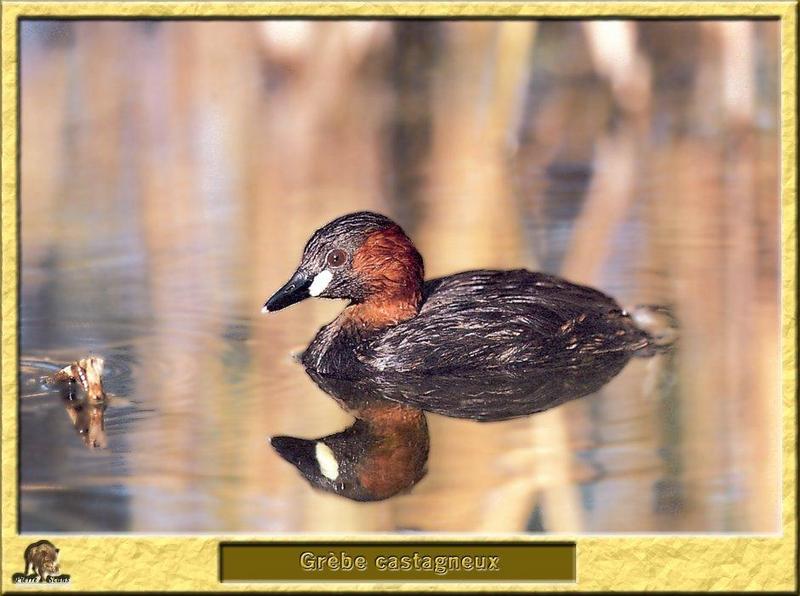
298	452
295	290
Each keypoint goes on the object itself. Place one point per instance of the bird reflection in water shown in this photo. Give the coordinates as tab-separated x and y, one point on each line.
385	451
85	400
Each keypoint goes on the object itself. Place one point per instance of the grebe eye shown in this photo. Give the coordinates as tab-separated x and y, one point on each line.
336	257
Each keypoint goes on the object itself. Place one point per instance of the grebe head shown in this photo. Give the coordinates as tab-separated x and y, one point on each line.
364	257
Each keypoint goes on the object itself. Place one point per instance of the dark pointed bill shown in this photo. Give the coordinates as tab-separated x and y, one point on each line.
299	452
295	290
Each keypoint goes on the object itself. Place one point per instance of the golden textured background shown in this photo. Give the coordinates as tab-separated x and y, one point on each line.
621	563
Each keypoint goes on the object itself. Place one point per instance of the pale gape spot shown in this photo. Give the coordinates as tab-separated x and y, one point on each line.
327	461
321	281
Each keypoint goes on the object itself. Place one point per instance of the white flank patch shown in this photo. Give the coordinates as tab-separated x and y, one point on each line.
327	461
320	282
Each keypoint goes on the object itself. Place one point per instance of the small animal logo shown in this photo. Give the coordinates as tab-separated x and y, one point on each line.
41	565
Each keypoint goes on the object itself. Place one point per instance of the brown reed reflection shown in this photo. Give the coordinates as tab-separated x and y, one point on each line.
84	399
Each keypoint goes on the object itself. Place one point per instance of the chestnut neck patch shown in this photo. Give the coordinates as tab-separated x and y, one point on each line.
391	272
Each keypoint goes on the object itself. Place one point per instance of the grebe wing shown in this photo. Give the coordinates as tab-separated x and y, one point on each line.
510	321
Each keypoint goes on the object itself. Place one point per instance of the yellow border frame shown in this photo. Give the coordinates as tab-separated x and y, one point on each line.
117	563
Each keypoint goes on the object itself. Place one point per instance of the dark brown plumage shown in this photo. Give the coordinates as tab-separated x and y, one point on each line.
513	342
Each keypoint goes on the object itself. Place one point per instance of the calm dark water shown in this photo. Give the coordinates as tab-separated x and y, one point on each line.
172	173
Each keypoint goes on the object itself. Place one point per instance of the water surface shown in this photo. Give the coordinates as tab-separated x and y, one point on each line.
172	171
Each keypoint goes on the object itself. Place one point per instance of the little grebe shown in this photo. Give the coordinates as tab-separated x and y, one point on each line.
483	326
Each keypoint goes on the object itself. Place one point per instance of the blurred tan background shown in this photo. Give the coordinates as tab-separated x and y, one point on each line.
172	171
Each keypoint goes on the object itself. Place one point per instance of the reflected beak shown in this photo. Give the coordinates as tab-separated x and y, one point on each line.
295	290
298	452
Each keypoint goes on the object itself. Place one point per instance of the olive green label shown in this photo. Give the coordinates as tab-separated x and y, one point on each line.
398	561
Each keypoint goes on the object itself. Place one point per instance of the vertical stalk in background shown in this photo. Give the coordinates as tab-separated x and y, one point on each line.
467	225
